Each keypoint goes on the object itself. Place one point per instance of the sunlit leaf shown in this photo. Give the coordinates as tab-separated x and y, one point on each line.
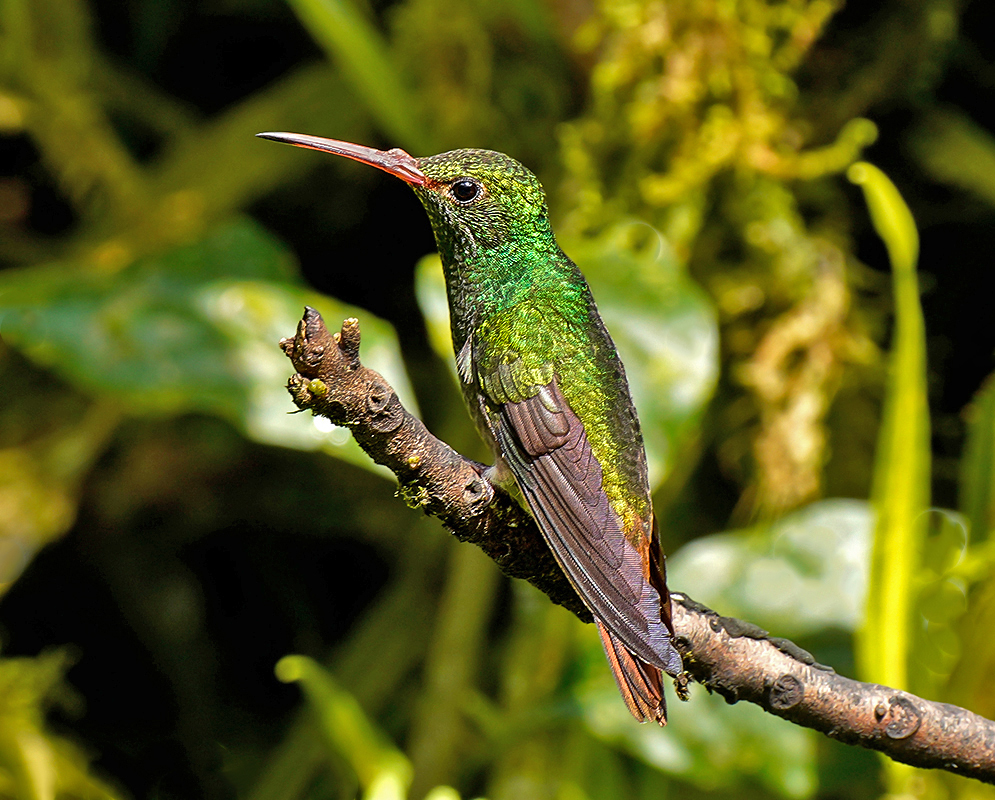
661	321
35	764
707	742
382	769
192	329
901	485
891	217
902	462
443	793
804	573
970	681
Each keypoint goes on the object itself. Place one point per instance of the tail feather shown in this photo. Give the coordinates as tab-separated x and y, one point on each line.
640	683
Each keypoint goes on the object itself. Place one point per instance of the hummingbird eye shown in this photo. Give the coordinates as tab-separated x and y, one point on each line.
465	190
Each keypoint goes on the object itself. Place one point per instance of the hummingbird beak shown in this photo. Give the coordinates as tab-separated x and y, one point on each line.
396	161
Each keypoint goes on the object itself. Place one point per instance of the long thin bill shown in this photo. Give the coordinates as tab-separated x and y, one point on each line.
396	161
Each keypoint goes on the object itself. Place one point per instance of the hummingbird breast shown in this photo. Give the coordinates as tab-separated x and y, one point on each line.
510	352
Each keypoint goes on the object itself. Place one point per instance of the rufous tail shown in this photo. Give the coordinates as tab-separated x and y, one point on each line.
641	684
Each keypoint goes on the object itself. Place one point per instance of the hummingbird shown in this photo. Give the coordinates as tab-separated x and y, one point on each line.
547	390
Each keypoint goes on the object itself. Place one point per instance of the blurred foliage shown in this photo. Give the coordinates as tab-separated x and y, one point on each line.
34	763
165	520
189	330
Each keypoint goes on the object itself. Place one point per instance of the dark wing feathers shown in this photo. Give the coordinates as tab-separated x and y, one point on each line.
658	576
538	429
547	449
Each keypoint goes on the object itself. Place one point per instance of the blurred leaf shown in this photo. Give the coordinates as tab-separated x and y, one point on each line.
382	769
707	742
35	764
438	738
799	575
192	329
365	59
663	325
957	151
945	547
948	567
40	481
953	645
977	481
902	462
970	681
213	170
808	572
442	793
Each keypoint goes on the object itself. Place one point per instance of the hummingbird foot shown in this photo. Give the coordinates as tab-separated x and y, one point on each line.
500	475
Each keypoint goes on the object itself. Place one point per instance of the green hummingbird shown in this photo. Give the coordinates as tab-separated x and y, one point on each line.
546	387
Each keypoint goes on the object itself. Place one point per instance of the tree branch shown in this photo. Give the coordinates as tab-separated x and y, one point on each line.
734	658
742	662
332	383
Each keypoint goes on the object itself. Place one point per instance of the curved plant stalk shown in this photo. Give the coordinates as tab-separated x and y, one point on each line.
900	491
383	771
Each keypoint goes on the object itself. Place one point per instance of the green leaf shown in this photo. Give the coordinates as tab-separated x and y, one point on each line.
663	325
969	684
382	769
707	742
194	329
34	763
902	461
956	150
891	217
799	575
442	793
977	480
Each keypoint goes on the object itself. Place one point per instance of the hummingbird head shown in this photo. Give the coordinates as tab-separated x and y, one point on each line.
483	205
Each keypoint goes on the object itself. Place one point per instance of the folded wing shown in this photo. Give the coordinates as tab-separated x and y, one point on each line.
548	451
